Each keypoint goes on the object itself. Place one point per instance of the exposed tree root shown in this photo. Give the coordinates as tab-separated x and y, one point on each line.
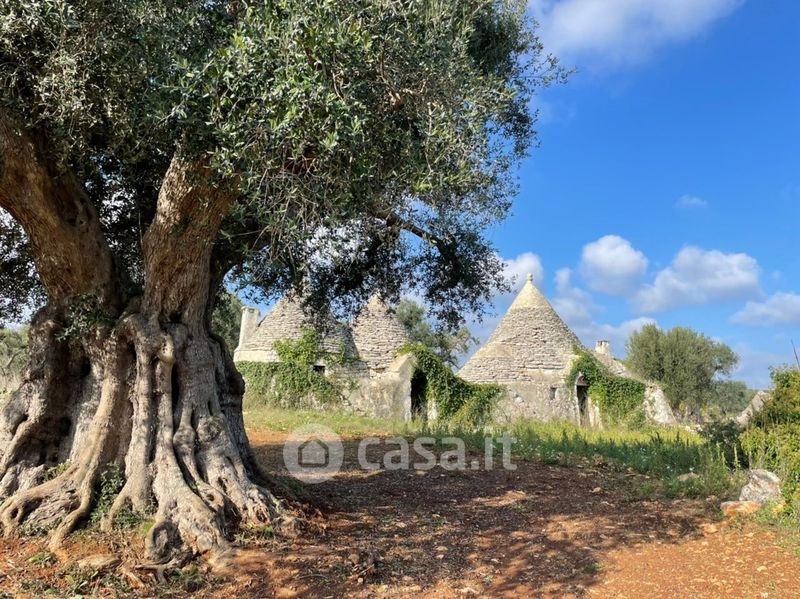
170	409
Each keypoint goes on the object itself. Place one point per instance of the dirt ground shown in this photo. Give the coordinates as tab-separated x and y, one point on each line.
540	531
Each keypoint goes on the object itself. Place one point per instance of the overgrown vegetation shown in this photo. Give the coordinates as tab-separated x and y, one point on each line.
111	482
726	434
456	400
85	313
297	379
773	439
620	399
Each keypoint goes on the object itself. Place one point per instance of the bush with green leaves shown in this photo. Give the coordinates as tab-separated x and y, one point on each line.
456	400
726	436
293	381
773	439
620	399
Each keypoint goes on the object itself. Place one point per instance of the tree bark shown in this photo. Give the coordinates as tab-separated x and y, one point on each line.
70	251
149	387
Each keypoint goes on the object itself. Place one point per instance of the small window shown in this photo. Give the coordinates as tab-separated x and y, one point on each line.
553	393
319	368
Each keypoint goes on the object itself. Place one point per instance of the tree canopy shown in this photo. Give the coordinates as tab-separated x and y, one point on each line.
686	363
364	144
154	153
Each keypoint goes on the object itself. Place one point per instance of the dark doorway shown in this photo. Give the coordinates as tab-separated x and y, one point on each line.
582	391
419	387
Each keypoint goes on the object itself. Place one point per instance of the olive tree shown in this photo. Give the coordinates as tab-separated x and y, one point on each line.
685	362
154	151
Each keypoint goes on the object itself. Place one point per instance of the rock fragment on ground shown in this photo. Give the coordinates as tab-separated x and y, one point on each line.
735	509
762	487
100	562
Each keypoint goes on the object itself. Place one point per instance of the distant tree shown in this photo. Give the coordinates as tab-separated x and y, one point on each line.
685	363
226	318
447	345
728	399
13	350
13	353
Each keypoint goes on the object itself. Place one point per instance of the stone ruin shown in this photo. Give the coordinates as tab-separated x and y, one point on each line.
530	354
380	380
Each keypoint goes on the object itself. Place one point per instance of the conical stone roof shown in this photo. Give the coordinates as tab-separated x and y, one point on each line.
378	334
286	320
530	338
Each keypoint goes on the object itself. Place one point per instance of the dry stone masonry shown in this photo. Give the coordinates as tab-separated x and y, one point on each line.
530	353
381	378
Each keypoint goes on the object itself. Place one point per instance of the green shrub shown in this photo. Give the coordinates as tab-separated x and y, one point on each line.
773	439
293	382
726	435
620	399
111	482
456	400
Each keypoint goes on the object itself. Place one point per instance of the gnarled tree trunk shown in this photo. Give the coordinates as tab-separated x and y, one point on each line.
144	385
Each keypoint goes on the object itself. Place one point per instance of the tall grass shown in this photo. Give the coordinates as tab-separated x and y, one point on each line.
660	453
663	454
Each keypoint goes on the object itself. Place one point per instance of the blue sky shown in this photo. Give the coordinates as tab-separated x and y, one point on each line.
667	184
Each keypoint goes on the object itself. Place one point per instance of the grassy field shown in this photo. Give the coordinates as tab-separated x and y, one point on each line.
662	454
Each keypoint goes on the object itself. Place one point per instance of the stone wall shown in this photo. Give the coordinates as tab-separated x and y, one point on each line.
656	407
385	395
546	398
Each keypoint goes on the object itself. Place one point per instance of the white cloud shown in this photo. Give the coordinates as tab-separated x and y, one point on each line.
517	269
577	308
780	309
691	202
611	265
622	31
574	305
697	277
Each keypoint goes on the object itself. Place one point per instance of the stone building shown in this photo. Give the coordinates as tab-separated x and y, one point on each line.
287	320
379	379
530	353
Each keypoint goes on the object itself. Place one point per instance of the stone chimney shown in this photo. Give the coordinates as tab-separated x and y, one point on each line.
603	347
248	325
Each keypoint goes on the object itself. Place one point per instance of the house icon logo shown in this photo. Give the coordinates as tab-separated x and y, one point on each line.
313	453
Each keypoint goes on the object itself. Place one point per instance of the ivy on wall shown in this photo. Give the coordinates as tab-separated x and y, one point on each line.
293	381
620	399
456	400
